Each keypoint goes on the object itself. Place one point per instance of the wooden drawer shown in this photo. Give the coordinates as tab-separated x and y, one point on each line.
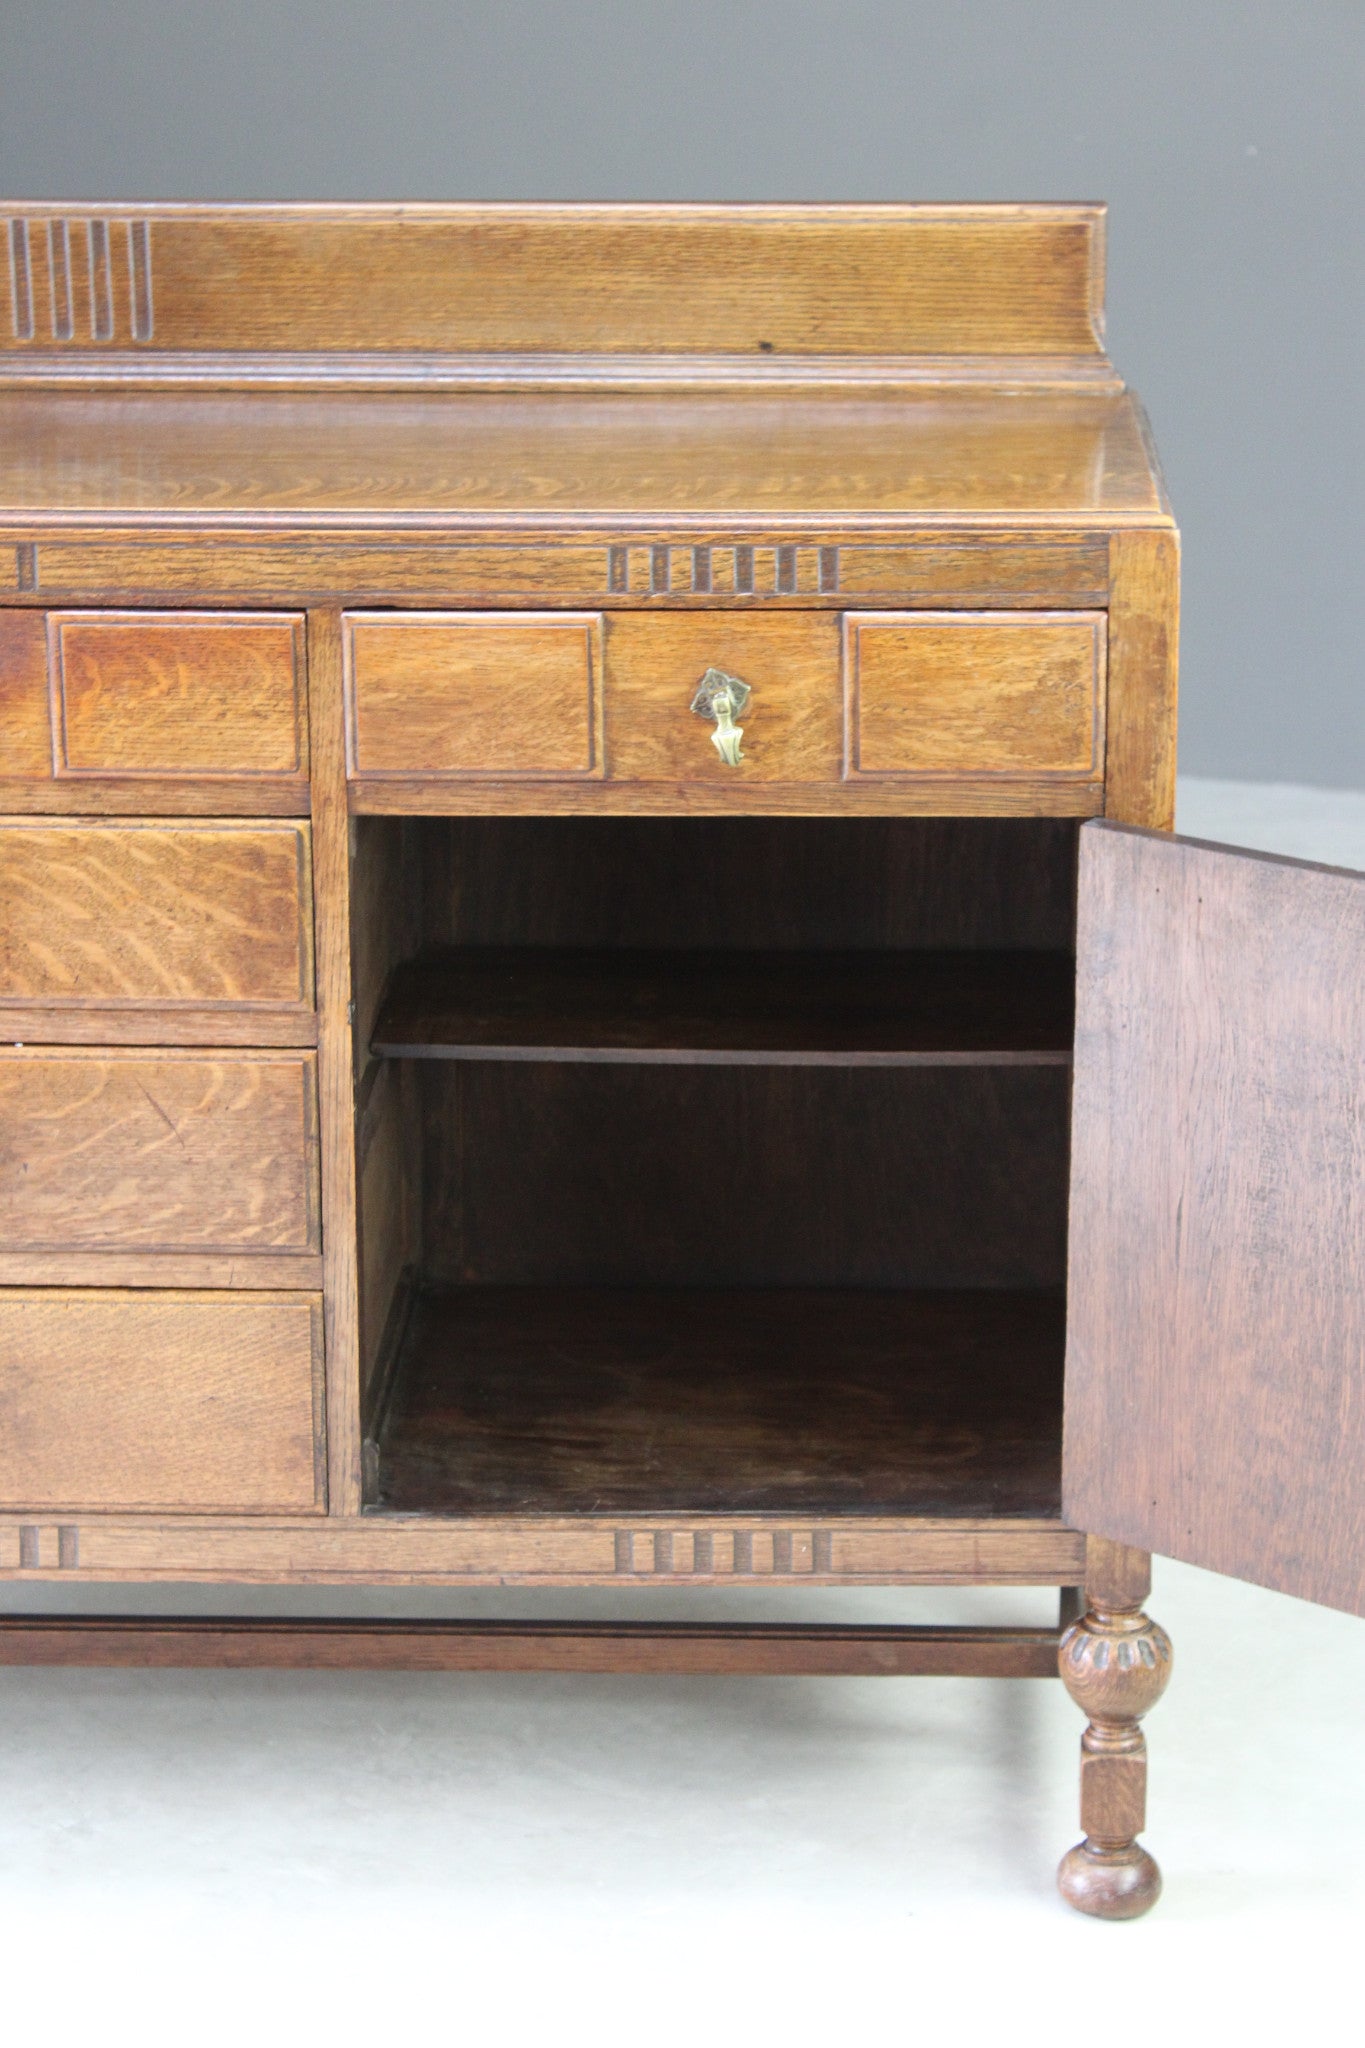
190	695
108	922
474	694
975	693
158	1151
791	723
961	698
196	1402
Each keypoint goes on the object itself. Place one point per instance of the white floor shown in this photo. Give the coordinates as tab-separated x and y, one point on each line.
195	1857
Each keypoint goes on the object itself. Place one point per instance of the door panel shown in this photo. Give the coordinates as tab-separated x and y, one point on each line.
1215	1373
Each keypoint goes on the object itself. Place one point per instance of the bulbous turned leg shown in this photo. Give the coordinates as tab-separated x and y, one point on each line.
1114	1662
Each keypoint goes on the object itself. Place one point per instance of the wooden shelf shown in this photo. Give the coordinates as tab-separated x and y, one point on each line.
695	1401
688	1007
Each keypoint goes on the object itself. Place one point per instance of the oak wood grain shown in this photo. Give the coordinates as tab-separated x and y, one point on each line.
447	693
25	720
583	465
189	1402
578	1550
436	570
943	693
1144	623
747	281
1217	1322
167	1151
791	723
335	1059
734	1649
189	693
146	916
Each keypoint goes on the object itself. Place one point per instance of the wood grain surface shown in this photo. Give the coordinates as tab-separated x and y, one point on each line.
761	1009
456	694
190	693
141	915
710	1401
624	1176
543	1550
532	460
190	1402
749	281
166	1151
791	722
1216	1334
942	693
25	718
734	1649
738	883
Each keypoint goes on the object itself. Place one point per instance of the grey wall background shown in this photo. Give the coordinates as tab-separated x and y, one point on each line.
1225	134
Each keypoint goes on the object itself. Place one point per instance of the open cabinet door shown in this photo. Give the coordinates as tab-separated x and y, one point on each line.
1215	1366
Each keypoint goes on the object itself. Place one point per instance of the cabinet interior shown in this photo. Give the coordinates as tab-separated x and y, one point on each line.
713	1165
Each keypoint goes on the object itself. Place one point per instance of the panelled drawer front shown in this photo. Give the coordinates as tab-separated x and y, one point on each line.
897	697
196	1402
791	723
158	1151
975	693
206	695
154	914
451	694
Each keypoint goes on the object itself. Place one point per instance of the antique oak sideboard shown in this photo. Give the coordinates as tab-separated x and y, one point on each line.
563	1023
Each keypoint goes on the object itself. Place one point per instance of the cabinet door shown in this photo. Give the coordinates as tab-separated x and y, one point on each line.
1215	1369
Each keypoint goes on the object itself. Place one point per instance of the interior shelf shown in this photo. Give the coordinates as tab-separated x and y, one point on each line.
714	1401
908	1008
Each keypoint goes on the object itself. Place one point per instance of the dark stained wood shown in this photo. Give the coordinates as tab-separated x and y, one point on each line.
742	883
784	1009
736	1649
717	1401
590	1175
1216	1340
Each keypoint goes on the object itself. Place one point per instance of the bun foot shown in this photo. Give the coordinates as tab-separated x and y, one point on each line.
1111	1884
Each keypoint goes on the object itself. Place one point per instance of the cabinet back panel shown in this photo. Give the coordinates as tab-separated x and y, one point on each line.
744	1176
742	882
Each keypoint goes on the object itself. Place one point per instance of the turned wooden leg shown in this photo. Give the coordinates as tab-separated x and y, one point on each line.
1114	1662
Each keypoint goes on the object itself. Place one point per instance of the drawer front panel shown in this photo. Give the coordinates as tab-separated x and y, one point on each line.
155	915
474	695
200	694
201	1403
161	1152
975	693
791	721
